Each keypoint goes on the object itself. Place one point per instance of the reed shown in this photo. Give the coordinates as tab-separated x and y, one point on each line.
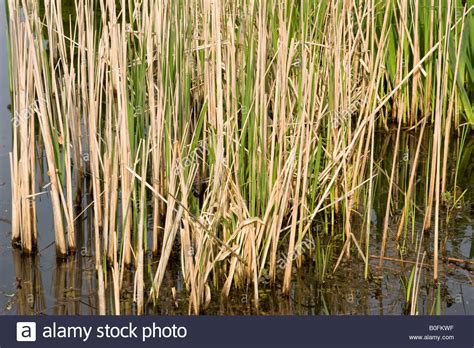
227	129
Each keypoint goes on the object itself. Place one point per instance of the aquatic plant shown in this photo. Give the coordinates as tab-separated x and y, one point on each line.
226	129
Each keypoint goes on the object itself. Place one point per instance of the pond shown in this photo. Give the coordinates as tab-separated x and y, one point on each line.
41	284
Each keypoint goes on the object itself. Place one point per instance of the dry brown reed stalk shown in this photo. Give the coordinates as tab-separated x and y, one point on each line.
41	71
140	286
389	195
21	162
171	225
452	98
63	90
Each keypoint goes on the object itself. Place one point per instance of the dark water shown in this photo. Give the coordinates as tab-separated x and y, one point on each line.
41	285
6	269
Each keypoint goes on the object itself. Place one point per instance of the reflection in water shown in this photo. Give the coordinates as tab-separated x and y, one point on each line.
30	297
73	293
72	289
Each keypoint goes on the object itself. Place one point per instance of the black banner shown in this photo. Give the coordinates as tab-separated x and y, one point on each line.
204	331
